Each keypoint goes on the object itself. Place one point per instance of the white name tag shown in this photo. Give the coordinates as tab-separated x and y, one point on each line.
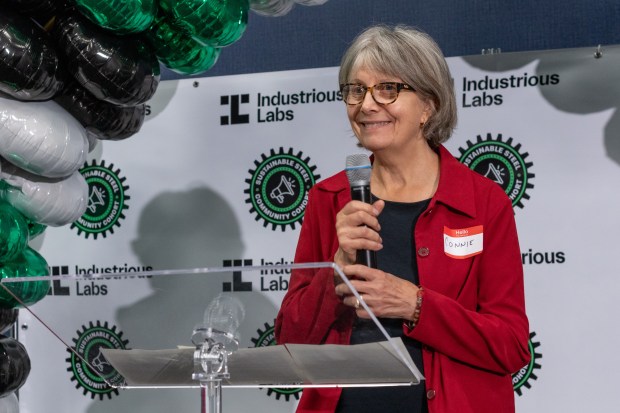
462	243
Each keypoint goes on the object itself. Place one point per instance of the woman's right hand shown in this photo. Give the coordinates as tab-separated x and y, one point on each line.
357	228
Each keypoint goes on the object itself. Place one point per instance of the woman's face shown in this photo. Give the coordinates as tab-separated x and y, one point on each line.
393	127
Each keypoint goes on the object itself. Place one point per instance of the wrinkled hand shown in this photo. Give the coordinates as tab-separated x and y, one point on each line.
357	228
386	295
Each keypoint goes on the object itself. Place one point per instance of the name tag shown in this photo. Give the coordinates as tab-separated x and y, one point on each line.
462	243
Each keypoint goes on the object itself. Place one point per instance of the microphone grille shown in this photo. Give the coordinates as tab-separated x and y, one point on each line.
358	168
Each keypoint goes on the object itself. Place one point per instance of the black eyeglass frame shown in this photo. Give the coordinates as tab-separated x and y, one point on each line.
399	87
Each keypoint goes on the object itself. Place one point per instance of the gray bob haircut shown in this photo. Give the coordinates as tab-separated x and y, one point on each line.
414	57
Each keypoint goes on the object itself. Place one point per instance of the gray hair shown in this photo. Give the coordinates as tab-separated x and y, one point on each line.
414	57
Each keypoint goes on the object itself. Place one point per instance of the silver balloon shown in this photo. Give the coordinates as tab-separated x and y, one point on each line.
271	8
9	404
42	138
49	201
310	2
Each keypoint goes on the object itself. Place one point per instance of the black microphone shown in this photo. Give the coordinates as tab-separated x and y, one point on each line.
358	172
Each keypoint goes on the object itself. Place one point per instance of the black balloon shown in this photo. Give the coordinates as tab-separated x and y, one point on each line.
29	66
122	70
40	10
102	119
14	365
8	316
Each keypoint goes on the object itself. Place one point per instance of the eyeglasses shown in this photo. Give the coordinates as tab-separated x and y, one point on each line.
382	93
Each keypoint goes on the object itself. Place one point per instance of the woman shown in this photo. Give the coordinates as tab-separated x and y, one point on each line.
449	278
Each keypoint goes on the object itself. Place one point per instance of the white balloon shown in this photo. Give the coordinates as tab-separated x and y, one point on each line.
42	138
9	404
271	8
49	201
310	2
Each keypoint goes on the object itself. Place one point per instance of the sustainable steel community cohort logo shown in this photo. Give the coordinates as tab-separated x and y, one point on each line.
503	163
89	368
267	337
523	377
278	188
107	199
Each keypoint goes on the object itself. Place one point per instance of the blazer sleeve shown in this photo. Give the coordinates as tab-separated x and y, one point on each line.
311	309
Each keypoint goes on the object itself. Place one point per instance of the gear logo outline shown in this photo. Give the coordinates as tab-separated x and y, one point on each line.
278	188
503	163
265	338
87	348
522	378
107	199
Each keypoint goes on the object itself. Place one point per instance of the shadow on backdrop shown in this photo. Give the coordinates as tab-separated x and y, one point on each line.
179	230
594	83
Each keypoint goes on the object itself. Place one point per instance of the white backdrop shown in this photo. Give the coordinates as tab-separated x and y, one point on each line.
221	165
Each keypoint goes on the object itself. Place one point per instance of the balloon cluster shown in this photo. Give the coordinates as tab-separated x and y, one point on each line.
72	73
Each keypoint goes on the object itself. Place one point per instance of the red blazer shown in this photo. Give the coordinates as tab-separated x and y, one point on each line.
473	325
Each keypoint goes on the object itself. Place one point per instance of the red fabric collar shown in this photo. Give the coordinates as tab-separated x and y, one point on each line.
455	187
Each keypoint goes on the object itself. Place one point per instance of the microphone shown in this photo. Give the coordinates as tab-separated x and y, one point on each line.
225	314
215	341
358	172
222	319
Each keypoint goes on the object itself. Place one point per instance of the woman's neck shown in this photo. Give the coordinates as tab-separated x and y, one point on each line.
407	176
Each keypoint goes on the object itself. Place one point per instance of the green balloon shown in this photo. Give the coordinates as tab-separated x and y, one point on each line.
28	264
217	23
180	52
119	16
35	229
13	232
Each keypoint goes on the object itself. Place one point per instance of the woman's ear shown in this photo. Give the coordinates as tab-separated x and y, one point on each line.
429	109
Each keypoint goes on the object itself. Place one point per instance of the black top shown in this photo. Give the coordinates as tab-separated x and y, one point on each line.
397	257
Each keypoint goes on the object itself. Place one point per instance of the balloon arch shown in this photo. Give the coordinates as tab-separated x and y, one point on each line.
73	73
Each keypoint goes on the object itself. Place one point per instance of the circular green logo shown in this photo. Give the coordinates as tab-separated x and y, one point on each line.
267	337
278	188
107	199
501	162
88	366
522	378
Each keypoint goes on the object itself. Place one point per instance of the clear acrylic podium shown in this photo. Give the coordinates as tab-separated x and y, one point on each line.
189	328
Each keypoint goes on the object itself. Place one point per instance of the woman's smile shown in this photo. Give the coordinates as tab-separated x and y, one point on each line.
374	124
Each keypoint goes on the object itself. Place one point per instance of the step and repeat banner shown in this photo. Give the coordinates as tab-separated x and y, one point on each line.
218	177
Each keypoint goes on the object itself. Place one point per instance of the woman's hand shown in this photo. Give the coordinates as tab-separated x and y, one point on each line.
386	295
357	228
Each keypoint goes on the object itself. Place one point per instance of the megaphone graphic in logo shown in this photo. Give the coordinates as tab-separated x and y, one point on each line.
96	198
285	187
100	362
495	173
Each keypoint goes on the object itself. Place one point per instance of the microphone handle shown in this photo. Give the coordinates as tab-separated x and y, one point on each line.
367	258
364	257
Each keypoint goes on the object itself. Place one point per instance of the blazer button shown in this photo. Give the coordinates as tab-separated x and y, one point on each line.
431	394
423	251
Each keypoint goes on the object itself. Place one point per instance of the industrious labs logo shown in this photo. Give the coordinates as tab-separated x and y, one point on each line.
278	188
107	198
503	163
235	117
273	106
